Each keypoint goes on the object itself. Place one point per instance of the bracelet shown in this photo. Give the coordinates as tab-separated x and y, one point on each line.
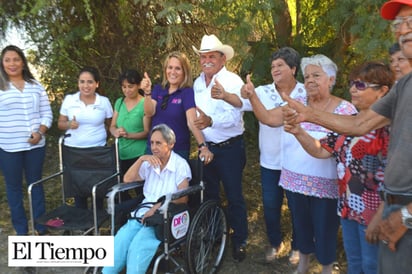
202	145
41	134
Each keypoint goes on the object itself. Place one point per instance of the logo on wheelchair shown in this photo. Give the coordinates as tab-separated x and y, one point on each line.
180	224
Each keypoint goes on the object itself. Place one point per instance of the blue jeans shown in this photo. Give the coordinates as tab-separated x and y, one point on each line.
13	165
272	195
227	167
134	247
316	224
362	257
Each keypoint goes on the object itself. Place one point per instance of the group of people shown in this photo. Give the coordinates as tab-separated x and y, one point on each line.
339	163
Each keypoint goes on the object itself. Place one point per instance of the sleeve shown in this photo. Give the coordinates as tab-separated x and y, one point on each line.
64	108
188	99
46	115
108	108
329	141
183	172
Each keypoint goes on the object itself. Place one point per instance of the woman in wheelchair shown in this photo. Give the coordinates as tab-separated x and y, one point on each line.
164	172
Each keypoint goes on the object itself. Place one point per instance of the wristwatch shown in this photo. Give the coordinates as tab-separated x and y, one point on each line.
406	217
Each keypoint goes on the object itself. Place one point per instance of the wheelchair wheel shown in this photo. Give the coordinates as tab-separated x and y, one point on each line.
206	239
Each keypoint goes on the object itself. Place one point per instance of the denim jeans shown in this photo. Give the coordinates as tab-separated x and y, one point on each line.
316	224
134	247
227	167
272	195
362	257
13	165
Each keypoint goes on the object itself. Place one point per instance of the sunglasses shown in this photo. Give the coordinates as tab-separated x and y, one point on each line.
359	85
165	101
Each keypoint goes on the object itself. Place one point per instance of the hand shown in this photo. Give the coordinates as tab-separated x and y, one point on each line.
294	111
372	231
121	132
73	124
202	121
153	160
392	229
35	138
248	89
206	154
146	84
218	91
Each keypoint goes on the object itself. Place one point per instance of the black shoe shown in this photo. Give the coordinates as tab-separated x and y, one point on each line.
239	253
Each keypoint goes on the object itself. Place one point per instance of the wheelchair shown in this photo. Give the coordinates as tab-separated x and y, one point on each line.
193	236
83	172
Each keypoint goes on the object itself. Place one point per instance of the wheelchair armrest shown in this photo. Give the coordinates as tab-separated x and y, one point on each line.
116	189
166	199
43	180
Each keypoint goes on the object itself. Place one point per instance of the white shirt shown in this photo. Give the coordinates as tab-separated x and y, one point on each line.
161	182
227	120
91	118
270	137
21	113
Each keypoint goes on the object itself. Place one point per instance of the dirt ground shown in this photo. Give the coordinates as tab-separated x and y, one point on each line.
254	262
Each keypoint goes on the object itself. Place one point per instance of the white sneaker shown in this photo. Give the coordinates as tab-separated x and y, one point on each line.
273	253
294	257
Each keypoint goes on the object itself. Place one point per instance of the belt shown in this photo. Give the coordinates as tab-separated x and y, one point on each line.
396	199
225	143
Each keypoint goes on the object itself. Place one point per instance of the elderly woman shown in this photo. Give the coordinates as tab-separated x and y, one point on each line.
265	101
312	182
360	164
164	172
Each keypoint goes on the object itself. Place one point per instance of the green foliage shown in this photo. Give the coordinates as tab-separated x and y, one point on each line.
114	35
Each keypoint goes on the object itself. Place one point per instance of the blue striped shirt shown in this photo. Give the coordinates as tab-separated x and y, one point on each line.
21	113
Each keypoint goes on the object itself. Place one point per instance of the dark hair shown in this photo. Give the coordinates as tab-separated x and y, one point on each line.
93	71
374	72
290	56
394	48
27	75
131	75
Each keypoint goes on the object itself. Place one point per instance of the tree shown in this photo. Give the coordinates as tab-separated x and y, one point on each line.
113	35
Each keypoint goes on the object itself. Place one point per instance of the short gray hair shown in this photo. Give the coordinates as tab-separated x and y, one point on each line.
320	60
166	132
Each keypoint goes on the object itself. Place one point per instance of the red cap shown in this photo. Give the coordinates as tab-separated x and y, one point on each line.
391	8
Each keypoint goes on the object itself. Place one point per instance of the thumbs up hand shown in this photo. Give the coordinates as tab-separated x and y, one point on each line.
73	124
248	89
218	91
146	84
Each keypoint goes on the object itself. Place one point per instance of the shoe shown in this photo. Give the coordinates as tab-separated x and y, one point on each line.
294	257
239	253
272	253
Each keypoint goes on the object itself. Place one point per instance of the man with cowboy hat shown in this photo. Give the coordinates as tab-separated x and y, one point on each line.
222	126
392	224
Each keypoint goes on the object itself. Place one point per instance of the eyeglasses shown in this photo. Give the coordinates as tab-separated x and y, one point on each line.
397	23
359	85
165	101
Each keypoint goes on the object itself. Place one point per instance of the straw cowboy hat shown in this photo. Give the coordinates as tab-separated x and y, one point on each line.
212	43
